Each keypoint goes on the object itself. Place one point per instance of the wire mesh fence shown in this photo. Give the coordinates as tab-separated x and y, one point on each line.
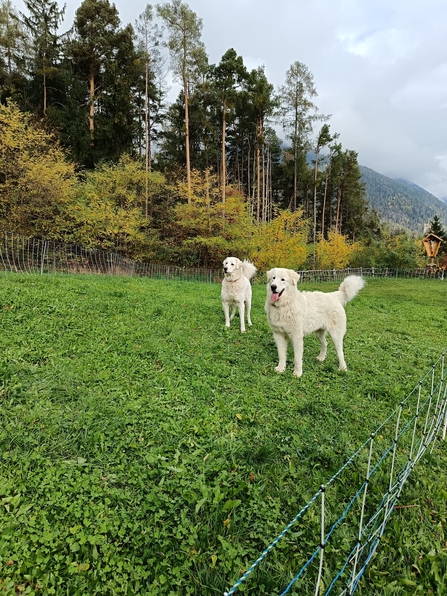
347	530
320	275
30	255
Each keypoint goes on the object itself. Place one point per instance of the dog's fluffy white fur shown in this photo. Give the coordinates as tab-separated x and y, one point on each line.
236	289
293	314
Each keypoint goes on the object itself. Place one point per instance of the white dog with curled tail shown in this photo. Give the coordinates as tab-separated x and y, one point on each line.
293	314
236	289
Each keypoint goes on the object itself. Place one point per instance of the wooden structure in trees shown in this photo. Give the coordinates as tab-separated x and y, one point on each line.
431	245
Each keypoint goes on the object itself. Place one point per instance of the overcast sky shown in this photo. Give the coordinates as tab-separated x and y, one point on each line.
379	66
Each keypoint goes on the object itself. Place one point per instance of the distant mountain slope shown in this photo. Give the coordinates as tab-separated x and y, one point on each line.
400	203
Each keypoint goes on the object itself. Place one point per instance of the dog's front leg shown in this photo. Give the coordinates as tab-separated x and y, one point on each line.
226	309
281	344
297	342
241	306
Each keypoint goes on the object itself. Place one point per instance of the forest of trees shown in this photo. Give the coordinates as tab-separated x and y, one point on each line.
401	203
91	152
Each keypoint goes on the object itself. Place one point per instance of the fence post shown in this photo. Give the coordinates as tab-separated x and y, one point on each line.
359	538
393	460
320	569
43	256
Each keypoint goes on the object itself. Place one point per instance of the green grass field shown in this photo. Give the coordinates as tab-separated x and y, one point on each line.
145	449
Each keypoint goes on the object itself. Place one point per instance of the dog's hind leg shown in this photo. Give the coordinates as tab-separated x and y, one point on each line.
321	336
233	312
248	309
337	338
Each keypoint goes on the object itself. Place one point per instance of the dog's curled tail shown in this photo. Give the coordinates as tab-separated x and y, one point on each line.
248	268
350	287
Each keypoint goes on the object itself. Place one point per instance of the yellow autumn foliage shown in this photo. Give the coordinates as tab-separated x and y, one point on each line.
335	252
280	242
110	208
37	182
206	229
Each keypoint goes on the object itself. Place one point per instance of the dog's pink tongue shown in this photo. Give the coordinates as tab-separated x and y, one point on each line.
275	296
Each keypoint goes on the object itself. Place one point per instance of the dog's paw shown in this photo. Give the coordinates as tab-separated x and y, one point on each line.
280	369
343	368
297	374
321	358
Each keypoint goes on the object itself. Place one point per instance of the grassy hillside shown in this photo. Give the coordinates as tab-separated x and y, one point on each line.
145	449
402	204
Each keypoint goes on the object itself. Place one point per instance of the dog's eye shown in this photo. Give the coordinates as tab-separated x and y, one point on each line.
282	279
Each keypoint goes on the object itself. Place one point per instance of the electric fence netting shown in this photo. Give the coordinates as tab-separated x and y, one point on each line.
20	254
348	531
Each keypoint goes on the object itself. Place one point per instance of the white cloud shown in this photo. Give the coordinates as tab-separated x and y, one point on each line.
428	92
385	46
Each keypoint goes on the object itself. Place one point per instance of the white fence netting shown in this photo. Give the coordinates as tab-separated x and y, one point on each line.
31	255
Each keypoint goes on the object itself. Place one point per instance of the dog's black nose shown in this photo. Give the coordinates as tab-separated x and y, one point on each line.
225	269
273	288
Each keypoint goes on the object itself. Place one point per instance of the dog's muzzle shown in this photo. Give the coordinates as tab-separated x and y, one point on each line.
275	295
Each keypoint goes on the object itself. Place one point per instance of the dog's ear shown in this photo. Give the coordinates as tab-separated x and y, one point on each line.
238	263
269	274
294	276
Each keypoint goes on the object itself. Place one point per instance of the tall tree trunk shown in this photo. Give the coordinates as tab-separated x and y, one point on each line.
295	161
236	168
264	197
258	183
324	200
338	212
224	158
91	117
188	159
44	90
146	122
315	207
248	168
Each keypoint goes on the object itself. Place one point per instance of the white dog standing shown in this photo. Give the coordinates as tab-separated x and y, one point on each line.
293	314
236	289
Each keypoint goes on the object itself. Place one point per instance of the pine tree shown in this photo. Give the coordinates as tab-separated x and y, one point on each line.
260	95
298	112
436	228
188	57
42	25
100	87
226	77
12	44
148	40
